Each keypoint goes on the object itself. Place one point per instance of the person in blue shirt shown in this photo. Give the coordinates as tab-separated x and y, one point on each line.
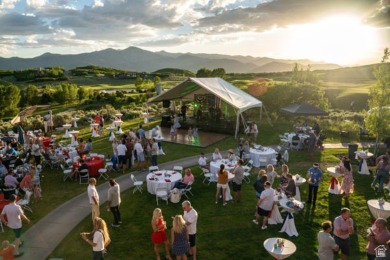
11	151
314	177
141	132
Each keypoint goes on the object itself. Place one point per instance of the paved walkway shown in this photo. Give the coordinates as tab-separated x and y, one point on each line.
44	236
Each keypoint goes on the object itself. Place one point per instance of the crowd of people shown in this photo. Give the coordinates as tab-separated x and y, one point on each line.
133	147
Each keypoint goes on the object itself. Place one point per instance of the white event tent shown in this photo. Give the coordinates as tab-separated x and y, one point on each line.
238	99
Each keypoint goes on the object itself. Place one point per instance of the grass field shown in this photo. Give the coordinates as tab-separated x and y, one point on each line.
228	232
223	232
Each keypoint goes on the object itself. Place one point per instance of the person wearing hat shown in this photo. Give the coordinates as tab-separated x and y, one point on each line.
231	156
314	176
14	214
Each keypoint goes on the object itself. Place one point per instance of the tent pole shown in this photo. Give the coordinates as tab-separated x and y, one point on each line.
237	124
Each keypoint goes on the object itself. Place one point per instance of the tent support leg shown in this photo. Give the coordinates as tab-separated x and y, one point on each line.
237	124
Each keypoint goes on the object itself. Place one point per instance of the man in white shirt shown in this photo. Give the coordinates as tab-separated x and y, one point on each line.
122	149
203	161
154	152
265	204
326	244
93	198
14	215
191	218
140	155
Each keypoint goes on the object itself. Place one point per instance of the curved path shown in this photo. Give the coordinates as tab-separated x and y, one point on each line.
44	236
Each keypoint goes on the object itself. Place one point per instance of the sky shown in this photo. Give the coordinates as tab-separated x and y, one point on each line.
345	32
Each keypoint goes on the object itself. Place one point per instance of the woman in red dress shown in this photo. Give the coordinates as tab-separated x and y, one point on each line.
158	236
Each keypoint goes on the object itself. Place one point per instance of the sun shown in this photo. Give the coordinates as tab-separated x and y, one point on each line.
341	39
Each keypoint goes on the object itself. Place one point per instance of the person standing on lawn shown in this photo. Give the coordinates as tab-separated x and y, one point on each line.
114	201
93	198
191	218
343	228
326	244
314	176
14	214
238	173
377	237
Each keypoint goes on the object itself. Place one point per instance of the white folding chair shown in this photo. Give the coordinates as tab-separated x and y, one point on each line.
93	154
187	189
137	184
66	172
109	166
162	192
153	168
207	178
25	202
178	168
103	173
203	170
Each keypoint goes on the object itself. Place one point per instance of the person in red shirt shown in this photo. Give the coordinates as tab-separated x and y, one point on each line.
7	251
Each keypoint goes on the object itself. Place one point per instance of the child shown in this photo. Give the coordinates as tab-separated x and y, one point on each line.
37	192
7	251
189	134
172	132
195	134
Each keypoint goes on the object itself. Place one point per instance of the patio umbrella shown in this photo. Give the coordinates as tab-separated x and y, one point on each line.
25	113
20	135
303	110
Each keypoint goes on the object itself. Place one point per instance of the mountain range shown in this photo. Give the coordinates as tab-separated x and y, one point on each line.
136	59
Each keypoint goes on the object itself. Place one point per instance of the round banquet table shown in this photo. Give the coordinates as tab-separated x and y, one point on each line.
94	164
363	168
162	178
214	167
267	155
379	211
334	186
289	223
287	250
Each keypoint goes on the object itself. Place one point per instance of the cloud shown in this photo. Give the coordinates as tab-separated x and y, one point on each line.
380	17
18	24
281	13
36	3
7	4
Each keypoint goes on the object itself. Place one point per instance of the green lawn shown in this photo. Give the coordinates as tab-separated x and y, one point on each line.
223	231
228	232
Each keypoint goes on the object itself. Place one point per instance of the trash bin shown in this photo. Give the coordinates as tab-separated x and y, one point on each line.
352	148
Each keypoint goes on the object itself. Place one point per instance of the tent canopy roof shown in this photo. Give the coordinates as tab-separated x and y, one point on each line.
303	110
227	92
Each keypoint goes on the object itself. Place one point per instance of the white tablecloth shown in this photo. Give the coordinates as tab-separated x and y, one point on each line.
214	167
379	211
289	223
279	253
334	181
152	184
275	218
266	156
298	183
364	156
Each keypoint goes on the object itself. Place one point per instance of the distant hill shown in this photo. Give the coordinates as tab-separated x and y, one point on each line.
350	74
136	59
175	71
